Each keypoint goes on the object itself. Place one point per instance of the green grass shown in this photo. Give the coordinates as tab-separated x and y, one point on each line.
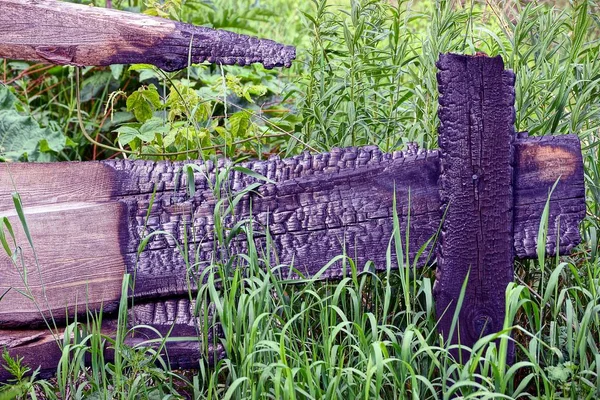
365	75
367	336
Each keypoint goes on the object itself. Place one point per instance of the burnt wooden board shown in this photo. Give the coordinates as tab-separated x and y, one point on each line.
476	191
87	219
74	34
173	318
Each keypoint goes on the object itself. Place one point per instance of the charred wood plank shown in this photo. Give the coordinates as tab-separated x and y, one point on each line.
476	192
539	163
73	34
172	318
88	219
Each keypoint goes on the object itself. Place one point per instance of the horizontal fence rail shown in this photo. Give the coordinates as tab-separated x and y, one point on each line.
88	220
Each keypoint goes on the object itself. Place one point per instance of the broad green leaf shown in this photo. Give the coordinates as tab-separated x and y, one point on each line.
94	85
239	123
151	127
170	137
7	99
116	70
126	134
21	137
155	125
558	373
184	101
143	102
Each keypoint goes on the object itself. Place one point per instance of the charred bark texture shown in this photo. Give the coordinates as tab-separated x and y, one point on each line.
72	34
88	219
476	192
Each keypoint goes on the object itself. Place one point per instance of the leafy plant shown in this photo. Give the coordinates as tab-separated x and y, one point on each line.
21	137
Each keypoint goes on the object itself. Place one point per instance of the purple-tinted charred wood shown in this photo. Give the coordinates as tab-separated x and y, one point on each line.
316	207
476	192
87	228
74	34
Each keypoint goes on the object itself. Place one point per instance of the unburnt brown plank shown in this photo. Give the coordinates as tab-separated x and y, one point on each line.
77	263
476	191
357	182
74	34
539	163
56	183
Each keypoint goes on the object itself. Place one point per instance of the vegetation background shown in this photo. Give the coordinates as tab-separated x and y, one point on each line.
365	74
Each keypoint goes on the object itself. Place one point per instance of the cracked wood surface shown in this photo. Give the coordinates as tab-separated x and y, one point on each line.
476	131
73	34
88	219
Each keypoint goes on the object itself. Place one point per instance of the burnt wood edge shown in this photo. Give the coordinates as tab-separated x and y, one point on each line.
181	354
566	211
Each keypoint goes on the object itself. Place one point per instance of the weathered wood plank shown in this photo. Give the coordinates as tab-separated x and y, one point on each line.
80	263
74	34
475	134
39	347
539	162
319	206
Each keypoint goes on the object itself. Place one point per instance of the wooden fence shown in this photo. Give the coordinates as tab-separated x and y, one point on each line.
486	188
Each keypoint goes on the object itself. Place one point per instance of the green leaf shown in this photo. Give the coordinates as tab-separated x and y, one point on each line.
21	137
169	139
558	373
151	127
155	125
147	136
94	85
143	102
10	392
140	67
146	71
239	123
7	99
127	134
116	70
184	101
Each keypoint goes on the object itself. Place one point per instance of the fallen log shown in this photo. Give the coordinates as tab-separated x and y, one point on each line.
74	34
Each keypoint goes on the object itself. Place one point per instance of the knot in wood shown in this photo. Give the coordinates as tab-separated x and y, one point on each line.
482	324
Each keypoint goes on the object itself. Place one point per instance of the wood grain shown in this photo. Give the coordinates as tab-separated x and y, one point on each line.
77	264
539	162
75	229
475	134
73	34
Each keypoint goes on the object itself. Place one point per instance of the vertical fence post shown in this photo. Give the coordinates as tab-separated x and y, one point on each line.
475	136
